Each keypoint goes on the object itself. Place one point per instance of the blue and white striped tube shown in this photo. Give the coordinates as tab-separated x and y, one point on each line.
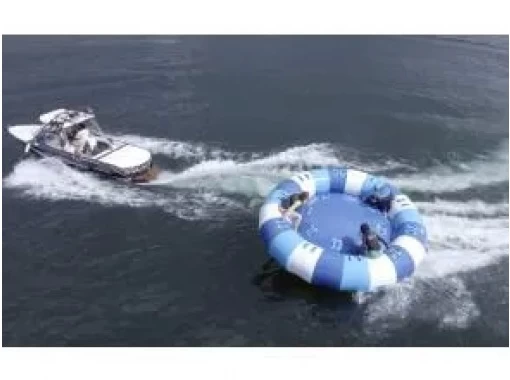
325	267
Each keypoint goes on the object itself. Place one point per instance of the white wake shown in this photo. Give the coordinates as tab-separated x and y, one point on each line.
489	170
250	174
463	236
52	180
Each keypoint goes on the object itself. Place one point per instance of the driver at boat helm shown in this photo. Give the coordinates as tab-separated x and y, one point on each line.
381	198
370	242
83	141
289	205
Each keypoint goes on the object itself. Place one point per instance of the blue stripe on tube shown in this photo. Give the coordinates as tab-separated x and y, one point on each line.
369	186
404	264
416	230
322	182
328	270
406	216
272	228
355	273
283	244
338	178
284	190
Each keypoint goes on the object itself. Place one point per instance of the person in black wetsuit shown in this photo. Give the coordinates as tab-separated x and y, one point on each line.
289	205
381	199
370	241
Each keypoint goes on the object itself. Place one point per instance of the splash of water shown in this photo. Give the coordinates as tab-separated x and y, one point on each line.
468	239
471	208
482	172
177	149
52	180
256	177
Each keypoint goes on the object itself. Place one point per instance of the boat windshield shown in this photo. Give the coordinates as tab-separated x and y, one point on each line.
93	126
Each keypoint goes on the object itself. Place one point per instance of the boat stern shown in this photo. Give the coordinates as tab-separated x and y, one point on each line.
133	162
148	175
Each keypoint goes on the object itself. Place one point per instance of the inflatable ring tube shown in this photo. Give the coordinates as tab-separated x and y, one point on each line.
324	266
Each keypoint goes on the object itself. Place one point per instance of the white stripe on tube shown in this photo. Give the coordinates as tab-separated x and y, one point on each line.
303	259
306	182
413	246
400	203
269	211
382	271
354	182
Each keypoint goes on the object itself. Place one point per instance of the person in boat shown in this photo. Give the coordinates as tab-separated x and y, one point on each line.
371	242
381	198
65	142
289	205
83	141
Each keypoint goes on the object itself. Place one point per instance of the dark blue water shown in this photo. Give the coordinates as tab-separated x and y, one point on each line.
90	262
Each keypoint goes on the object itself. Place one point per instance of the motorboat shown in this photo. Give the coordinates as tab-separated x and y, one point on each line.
76	138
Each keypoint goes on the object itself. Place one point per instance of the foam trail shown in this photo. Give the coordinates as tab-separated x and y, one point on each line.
173	149
457	244
486	171
472	208
53	180
181	149
446	302
249	174
462	245
463	237
252	178
256	177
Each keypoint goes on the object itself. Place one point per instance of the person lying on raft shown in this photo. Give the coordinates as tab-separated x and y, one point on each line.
380	199
370	242
289	206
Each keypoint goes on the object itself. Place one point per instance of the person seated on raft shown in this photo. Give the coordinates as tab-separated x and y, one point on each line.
380	199
289	206
370	242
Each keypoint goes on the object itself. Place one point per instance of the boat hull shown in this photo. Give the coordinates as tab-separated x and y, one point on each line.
105	170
